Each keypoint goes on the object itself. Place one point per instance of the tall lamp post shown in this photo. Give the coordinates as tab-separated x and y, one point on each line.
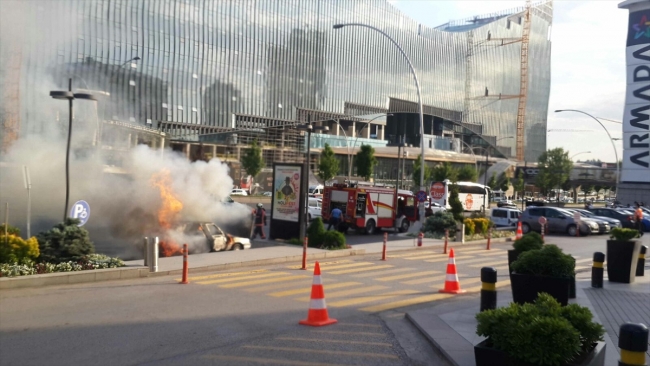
582	152
618	166
70	96
308	128
417	86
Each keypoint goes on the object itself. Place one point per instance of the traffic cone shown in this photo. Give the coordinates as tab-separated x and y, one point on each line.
452	286
317	315
519	232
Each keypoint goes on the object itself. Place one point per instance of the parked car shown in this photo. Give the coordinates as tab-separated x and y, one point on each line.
267	194
625	217
214	238
613	223
316	191
314	208
558	220
506	203
432	207
238	192
603	225
505	217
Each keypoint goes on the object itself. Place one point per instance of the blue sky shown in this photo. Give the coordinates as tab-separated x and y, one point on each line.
587	65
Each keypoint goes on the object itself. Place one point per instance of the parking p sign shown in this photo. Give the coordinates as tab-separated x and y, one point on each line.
80	210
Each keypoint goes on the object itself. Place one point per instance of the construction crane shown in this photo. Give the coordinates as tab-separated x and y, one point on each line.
523	84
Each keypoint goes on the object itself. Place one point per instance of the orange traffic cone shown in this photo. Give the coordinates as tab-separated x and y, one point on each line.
519	232
452	285
317	315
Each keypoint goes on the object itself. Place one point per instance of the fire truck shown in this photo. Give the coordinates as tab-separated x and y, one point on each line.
367	207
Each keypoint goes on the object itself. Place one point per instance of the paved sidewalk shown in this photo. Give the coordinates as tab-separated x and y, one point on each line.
451	326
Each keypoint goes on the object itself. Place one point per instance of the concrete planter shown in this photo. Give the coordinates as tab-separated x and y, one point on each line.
525	288
488	356
622	257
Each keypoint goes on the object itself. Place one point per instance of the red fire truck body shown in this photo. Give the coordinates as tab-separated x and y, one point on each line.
366	207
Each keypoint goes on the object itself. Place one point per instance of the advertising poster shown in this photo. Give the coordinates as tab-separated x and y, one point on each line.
286	193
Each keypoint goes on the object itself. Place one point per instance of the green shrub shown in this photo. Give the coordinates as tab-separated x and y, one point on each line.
548	261
333	240
530	241
543	333
456	206
89	262
295	241
478	215
623	234
482	225
11	230
470	227
65	242
315	233
438	222
14	249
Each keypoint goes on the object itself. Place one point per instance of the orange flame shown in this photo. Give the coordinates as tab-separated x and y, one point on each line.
169	209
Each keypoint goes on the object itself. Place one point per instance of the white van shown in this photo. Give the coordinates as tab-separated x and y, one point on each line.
316	191
505	217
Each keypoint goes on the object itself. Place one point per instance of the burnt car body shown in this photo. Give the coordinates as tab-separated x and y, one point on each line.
213	237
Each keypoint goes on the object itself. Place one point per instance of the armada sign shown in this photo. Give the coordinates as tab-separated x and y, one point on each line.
636	118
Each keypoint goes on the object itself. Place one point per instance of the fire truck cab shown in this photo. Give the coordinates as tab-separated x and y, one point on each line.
367	207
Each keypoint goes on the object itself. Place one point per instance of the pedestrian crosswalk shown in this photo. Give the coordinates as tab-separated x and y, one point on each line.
368	284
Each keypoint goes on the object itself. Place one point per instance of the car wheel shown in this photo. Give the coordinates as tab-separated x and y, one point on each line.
525	228
370	227
405	226
238	246
572	230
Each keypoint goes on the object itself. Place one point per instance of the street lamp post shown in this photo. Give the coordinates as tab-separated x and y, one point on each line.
583	152
58	94
618	166
308	128
417	86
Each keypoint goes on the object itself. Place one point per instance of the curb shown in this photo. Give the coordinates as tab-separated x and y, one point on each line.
98	275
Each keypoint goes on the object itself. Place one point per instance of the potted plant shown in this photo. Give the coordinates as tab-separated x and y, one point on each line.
542	270
543	333
530	241
622	255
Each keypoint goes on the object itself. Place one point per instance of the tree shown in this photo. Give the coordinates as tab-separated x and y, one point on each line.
586	189
328	167
505	183
365	161
252	161
555	167
456	205
492	183
467	174
416	171
519	185
598	188
445	171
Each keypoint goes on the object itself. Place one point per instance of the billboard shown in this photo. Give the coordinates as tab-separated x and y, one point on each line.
286	192
636	117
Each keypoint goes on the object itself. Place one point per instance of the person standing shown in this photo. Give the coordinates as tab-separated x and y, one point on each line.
638	219
260	221
335	218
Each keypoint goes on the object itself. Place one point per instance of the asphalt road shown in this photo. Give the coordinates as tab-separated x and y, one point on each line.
249	316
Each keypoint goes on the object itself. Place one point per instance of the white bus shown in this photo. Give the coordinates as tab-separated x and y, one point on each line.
473	196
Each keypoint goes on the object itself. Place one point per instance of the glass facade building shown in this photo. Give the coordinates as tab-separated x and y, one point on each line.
206	67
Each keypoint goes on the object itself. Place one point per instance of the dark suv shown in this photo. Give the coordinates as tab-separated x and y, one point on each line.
557	220
626	218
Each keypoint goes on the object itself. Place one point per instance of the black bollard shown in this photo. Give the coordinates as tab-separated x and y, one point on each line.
633	342
640	264
597	270
488	288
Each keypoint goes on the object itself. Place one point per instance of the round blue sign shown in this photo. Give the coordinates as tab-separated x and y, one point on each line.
80	210
421	196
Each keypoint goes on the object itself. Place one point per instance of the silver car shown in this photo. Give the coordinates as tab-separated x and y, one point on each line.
557	220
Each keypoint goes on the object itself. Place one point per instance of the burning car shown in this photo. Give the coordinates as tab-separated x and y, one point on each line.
204	237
